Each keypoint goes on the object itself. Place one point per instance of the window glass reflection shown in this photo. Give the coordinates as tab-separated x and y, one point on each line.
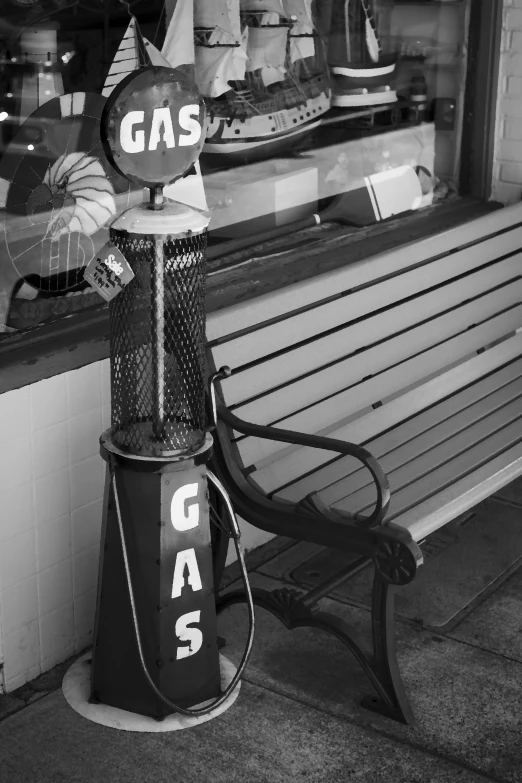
318	110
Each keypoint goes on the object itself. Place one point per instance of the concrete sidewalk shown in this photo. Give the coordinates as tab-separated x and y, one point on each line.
297	717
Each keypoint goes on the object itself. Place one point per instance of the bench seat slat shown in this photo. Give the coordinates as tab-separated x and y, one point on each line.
463	494
421	456
278	303
409	440
334	471
354	419
293	473
304	325
281	369
336	408
449	472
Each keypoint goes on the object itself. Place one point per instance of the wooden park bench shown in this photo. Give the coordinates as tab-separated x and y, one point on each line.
415	356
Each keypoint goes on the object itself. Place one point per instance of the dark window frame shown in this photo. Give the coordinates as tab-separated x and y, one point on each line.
481	95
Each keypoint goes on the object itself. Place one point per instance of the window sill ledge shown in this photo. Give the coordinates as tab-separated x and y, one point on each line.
83	338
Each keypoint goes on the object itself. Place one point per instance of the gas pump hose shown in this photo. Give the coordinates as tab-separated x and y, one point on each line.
236	535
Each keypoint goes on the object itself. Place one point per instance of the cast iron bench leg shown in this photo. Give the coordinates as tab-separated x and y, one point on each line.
384	661
292	609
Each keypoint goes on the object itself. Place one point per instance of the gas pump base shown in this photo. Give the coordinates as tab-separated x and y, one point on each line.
76	688
156	545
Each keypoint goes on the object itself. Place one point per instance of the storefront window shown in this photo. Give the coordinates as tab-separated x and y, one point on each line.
346	109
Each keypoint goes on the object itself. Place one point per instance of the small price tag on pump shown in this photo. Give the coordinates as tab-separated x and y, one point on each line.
108	272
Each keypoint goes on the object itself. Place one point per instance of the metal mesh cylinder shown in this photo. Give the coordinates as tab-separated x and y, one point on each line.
157	332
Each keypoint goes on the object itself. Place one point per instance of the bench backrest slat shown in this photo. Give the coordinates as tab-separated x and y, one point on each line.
399	330
222	323
280	369
327	412
386	367
303	325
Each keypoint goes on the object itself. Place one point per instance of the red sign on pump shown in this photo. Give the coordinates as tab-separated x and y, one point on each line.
153	126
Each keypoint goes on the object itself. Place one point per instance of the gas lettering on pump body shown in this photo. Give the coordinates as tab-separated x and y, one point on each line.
184	515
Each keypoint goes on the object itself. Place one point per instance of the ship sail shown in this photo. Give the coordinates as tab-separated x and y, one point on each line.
178	50
155	56
133	52
220	14
301	36
267	49
218	64
178	47
220	46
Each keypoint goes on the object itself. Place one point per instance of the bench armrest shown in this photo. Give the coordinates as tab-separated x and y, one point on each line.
314	442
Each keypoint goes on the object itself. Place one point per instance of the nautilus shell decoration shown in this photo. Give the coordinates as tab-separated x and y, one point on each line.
77	195
59	194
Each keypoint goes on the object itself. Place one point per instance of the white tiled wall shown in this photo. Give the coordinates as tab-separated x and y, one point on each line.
51	488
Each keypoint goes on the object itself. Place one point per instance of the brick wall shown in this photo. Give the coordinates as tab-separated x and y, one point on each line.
507	168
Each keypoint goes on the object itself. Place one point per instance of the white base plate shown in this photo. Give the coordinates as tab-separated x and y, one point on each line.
366	99
76	688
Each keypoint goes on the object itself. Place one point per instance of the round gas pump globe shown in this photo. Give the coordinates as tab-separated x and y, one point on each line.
153	126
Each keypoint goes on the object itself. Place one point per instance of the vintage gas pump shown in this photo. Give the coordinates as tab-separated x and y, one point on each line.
155	648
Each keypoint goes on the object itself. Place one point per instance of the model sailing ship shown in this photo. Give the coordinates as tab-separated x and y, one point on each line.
361	74
260	66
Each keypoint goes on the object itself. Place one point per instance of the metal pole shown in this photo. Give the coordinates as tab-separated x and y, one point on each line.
158	340
158	324
157	199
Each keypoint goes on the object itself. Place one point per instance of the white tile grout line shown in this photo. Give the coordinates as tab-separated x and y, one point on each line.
33	490
69	466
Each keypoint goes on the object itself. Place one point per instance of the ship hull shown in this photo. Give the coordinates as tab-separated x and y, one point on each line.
252	149
262	136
